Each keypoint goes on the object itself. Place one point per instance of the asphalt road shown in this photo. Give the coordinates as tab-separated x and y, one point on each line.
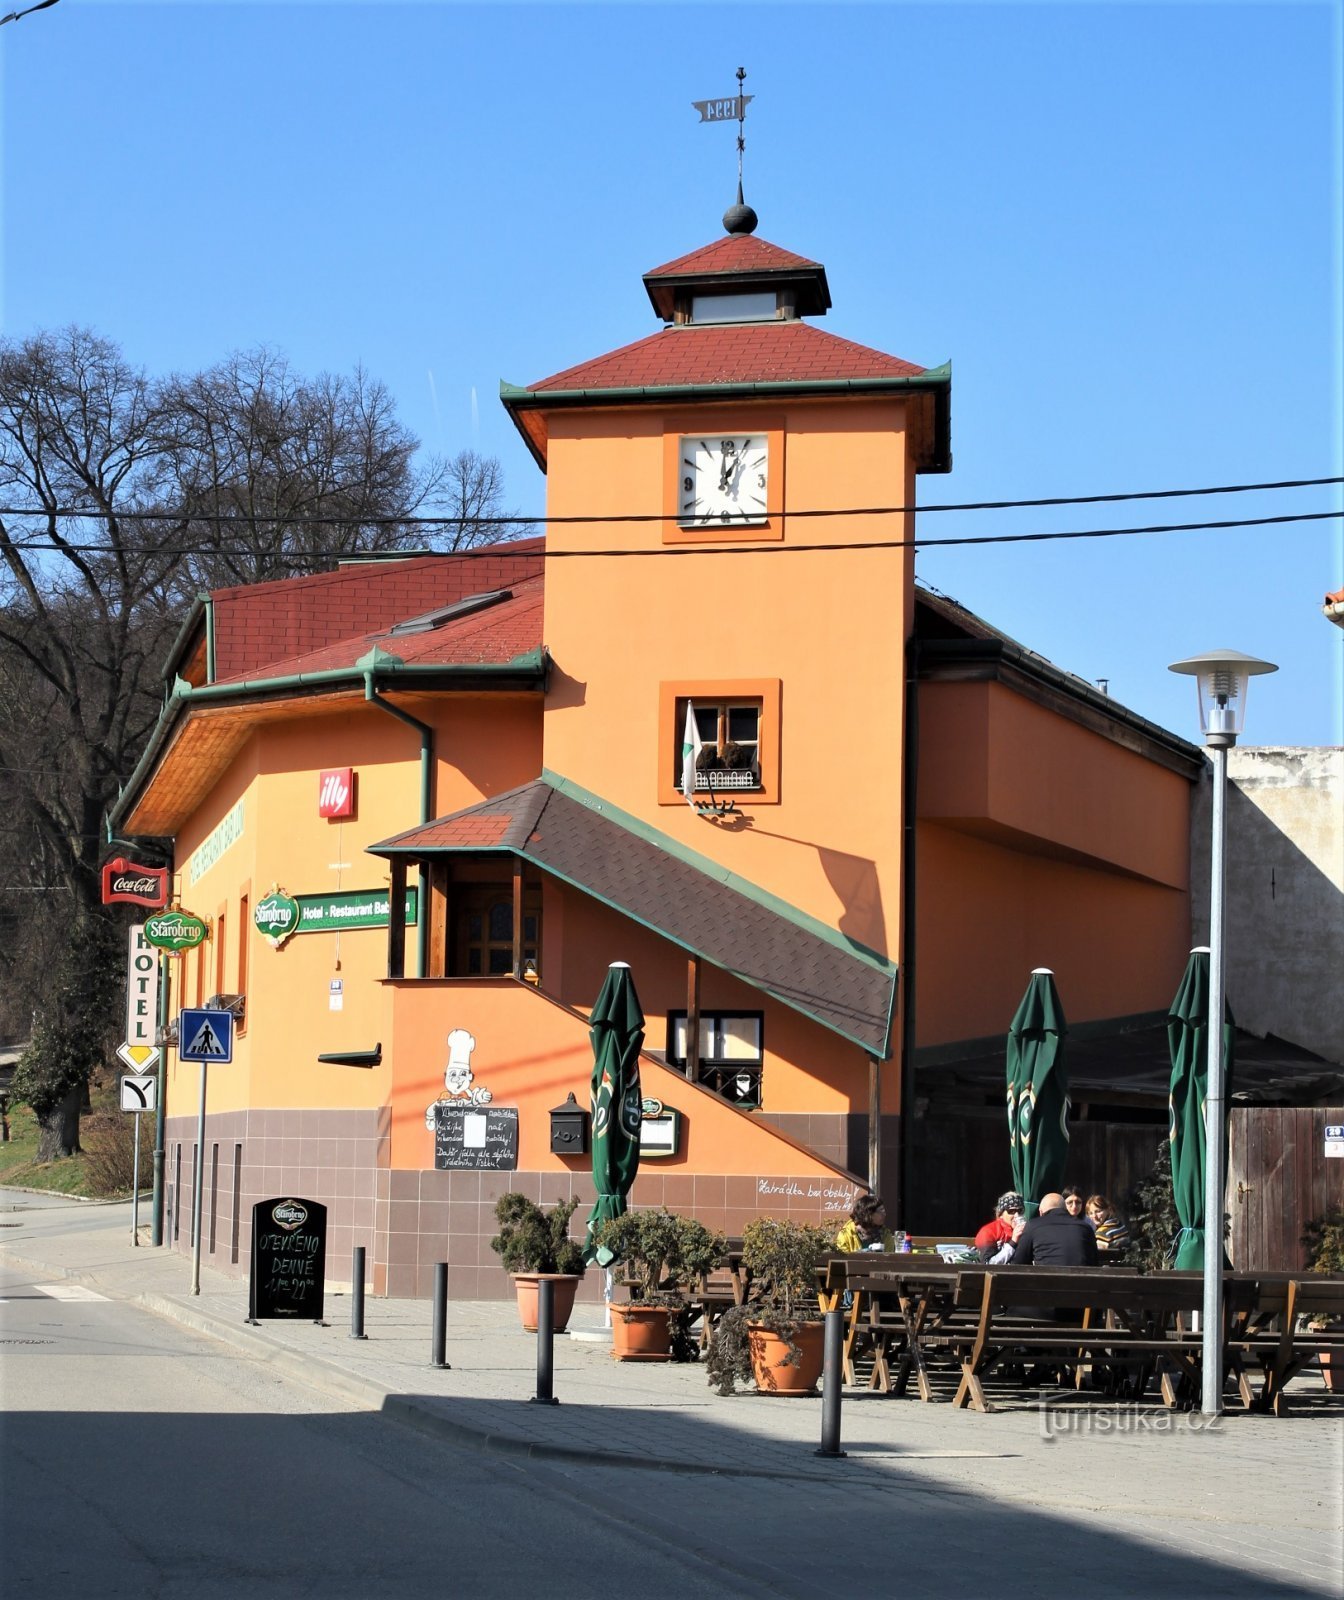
141	1459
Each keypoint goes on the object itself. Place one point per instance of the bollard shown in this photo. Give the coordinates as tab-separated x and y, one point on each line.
545	1344
357	1295
439	1341
832	1380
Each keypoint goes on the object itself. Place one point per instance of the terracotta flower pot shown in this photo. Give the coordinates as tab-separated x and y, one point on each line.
566	1287
769	1358
641	1333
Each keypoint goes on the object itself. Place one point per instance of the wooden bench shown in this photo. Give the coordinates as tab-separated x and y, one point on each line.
1135	1321
897	1302
1278	1335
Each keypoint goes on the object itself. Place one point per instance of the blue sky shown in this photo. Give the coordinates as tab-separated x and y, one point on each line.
1120	222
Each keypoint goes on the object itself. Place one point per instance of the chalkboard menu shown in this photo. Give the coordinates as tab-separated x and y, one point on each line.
289	1259
479	1138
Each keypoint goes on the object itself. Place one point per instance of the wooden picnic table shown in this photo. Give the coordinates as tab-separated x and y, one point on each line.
906	1309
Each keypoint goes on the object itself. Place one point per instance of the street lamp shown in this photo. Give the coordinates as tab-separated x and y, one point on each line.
1221	680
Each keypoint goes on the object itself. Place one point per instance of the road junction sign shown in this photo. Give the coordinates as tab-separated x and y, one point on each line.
139	1091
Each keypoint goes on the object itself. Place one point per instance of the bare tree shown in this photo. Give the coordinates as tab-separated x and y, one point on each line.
471	497
84	612
119	499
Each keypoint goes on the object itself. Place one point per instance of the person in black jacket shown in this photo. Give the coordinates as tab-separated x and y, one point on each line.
1055	1239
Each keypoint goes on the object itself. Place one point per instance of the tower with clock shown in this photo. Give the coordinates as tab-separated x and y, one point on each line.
728	581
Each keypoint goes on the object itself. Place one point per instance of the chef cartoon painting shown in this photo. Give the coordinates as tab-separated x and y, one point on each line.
458	1089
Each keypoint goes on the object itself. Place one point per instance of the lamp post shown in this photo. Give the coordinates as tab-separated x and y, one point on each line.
1221	681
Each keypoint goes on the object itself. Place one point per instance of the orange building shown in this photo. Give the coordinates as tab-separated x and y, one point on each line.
709	727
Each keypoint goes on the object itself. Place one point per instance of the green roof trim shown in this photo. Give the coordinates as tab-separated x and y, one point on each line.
933	380
389	669
529	399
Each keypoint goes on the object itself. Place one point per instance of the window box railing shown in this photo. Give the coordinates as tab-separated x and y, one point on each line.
721	779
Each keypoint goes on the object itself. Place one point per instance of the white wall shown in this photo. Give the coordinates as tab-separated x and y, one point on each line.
1285	891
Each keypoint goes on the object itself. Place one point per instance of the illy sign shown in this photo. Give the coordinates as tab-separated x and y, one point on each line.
128	880
336	792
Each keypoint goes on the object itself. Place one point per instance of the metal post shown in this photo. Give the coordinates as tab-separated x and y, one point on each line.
439	1338
832	1379
357	1295
156	1204
1212	1386
135	1186
198	1192
545	1395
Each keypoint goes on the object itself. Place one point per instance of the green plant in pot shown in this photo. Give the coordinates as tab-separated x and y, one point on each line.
661	1256
1323	1239
534	1244
776	1337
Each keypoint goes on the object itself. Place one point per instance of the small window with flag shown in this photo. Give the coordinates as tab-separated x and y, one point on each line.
720	745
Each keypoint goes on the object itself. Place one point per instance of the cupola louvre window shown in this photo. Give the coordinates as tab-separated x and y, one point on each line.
735	307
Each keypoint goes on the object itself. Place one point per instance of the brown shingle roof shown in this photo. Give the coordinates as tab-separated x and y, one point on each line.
647	876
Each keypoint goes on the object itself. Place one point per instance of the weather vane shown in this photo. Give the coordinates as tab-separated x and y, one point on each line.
743	218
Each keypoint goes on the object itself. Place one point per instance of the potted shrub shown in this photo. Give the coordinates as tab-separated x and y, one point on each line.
776	1338
662	1255
1324	1241
533	1244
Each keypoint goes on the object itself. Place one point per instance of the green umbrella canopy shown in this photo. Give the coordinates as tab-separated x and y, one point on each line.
616	1029
1038	1100
1188	1043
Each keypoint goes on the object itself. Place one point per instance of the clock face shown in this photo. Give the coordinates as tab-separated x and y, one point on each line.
722	479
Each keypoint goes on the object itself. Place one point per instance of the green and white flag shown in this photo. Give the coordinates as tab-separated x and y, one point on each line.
690	750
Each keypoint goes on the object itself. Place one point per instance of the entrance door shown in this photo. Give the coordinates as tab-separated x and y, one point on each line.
1278	1179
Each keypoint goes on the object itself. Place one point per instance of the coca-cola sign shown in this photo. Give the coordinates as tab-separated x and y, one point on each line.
129	881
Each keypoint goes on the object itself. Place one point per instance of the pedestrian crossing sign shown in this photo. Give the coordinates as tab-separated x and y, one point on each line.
205	1036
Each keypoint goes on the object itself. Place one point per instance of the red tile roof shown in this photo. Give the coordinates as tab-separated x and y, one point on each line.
737	352
259	624
493	636
738	252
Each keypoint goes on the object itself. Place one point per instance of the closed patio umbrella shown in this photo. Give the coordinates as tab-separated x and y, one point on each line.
1038	1100
1187	1041
616	1028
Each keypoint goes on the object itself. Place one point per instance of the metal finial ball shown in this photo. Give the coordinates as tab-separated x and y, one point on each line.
740	218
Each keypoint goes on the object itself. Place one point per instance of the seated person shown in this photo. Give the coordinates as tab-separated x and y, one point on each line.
996	1239
1073	1199
866	1228
1055	1239
1111	1229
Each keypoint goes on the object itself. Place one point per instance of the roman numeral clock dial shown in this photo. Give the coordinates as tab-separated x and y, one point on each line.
722	480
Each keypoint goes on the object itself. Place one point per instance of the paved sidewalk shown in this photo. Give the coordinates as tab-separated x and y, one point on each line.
1256	1493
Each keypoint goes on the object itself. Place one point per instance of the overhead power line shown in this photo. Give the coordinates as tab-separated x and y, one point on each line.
417	519
759	549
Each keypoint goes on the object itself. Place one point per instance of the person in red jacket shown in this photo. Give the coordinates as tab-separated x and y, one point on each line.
1010	1215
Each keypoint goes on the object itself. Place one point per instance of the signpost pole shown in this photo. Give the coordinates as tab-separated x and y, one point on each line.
135	1186
156	1203
198	1191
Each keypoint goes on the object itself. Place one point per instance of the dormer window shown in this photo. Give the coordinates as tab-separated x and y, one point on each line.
762	307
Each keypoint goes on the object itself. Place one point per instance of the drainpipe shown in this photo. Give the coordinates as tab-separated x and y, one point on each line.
208	602
426	805
910	778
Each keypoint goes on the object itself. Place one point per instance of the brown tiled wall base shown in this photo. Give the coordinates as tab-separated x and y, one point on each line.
330	1156
410	1220
842	1137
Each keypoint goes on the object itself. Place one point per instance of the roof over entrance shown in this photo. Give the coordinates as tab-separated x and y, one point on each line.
685	897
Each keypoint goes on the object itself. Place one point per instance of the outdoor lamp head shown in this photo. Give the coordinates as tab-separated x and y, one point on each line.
1221	680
